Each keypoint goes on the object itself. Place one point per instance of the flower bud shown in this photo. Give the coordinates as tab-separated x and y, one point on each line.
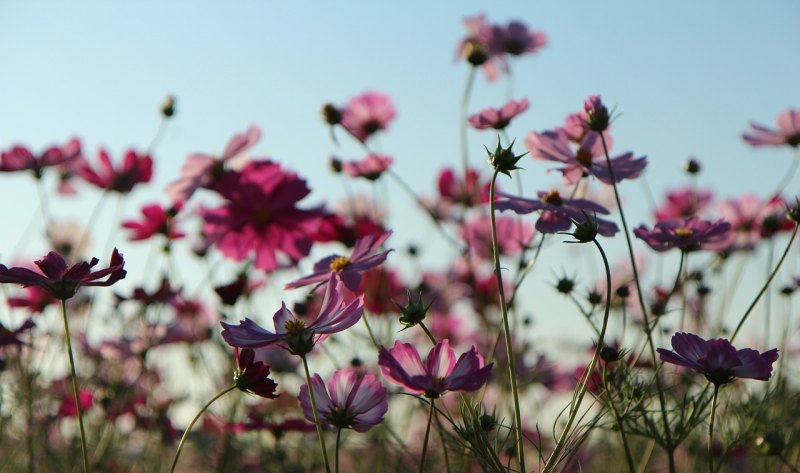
331	114
414	312
168	106
503	159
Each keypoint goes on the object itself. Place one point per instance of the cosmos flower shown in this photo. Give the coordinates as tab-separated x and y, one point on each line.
253	376
370	168
683	203
367	114
717	359
498	119
365	256
352	400
513	235
20	158
62	281
788	132
156	220
687	234
515	39
294	334
477	47
753	219
596	114
440	373
11	337
453	190
558	213
135	169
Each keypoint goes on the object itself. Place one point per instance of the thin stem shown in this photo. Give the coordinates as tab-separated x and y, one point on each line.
338	438
75	391
787	178
428	333
369	330
618	419
425	442
506	329
462	121
191	424
648	330
768	295
711	430
316	416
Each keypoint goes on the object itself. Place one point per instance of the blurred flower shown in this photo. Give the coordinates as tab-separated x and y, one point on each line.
380	287
516	39
253	376
351	401
687	234
62	281
498	119
476	47
752	220
367	113
370	168
156	221
241	286
440	373
454	190
135	169
683	203
334	227
513	235
11	337
717	359
35	300
788	132
20	158
67	407
558	213
596	114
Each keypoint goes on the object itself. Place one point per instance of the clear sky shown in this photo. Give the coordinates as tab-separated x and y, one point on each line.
686	77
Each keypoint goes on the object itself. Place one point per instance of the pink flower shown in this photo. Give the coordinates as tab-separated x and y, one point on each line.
135	169
477	49
498	119
367	114
157	220
296	335
558	213
201	170
513	235
752	220
19	158
253	376
334	227
453	190
370	168
788	132
365	256
516	39
683	203
687	234
260	216
440	373
596	114
380	287
717	359
36	299
351	401
62	281
67	407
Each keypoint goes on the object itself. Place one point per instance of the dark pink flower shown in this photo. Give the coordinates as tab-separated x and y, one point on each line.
253	376
62	281
35	299
202	170
367	113
453	190
683	203
558	213
19	158
440	373
788	132
498	119
352	400
513	235
135	169
156	221
371	167
294	334
516	39
11	337
67	406
717	359
334	227
365	256
380	287
261	217
753	219
687	234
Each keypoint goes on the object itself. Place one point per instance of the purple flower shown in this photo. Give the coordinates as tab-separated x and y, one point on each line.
717	359
253	376
596	114
364	257
558	213
352	400
516	39
788	132
62	281
294	334
498	119
11	337
687	234
440	373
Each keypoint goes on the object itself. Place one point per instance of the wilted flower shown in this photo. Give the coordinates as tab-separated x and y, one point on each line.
498	119
687	234
352	400
253	376
788	132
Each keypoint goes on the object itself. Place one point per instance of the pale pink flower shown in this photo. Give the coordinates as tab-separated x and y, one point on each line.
367	114
683	203
788	132
370	168
498	119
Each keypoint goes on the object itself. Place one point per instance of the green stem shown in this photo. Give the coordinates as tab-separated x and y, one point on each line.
506	329
338	438
618	419
75	391
711	430
316	416
425	442
428	333
191	424
462	122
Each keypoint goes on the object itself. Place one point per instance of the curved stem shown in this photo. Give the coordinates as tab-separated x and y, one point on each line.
75	391
191	424
316	416
425	442
506	329
428	333
787	178
711	430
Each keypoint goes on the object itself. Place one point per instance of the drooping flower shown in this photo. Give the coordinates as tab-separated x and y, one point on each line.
62	281
717	359
596	114
20	158
294	334
261	217
788	132
558	213
498	119
687	234
440	373
515	39
367	114
253	376
135	169
156	220
370	168
365	256
352	400
202	170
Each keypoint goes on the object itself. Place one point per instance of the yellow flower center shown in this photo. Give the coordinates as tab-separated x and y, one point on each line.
553	198
340	263
684	233
294	326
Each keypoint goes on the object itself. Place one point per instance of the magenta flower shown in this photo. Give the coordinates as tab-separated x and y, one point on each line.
202	170
294	334
11	337
135	169
19	158
440	373
788	132
717	359
454	190
558	213
498	119
516	39
687	234
683	203
260	216
370	168
62	281
367	114
352	400
365	256
156	220
253	376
